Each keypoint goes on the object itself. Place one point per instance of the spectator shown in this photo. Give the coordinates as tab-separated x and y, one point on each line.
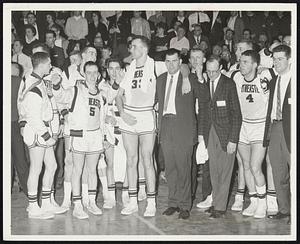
98	44
60	40
20	58
180	42
247	35
195	37
50	18
287	40
30	39
262	41
77	28
173	31
199	18
236	24
252	22
18	156
140	26
96	27
62	17
39	30
56	53
228	40
216	28
128	59
282	21
160	42
119	29
268	25
155	19
122	50
182	18
74	46
217	50
204	46
226	60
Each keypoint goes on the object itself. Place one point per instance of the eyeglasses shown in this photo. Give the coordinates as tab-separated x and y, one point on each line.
212	71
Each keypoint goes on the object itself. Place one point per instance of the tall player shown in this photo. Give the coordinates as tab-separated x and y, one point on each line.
253	96
86	119
36	116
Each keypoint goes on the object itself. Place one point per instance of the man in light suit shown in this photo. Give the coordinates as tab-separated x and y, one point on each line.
222	134
277	130
177	131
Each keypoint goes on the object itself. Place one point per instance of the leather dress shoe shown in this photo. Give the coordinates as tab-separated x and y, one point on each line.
279	215
210	210
184	214
171	210
217	214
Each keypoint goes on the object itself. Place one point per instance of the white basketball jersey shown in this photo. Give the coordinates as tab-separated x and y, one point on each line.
253	97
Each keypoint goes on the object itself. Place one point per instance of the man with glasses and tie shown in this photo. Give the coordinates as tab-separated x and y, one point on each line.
221	138
277	131
178	130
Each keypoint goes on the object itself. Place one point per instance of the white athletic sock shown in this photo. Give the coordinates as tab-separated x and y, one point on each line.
46	195
151	201
92	196
103	180
85	191
261	191
67	191
32	198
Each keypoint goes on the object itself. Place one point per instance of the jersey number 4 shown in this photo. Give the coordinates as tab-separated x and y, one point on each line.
250	98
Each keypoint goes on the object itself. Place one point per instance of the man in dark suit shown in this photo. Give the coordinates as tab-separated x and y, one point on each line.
195	37
277	130
222	133
218	22
228	40
177	131
56	53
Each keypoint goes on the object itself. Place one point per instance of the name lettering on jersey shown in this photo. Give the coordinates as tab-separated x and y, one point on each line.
138	74
94	102
249	88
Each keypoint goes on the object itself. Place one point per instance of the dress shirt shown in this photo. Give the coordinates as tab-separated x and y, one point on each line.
229	43
285	78
215	15
231	22
171	108
197	17
179	45
216	81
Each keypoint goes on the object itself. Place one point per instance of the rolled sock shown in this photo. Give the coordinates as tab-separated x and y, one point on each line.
32	199
252	195
240	192
142	184
261	191
271	193
77	200
46	195
92	195
133	196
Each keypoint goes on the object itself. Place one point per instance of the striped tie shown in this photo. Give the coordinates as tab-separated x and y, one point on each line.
168	94
278	109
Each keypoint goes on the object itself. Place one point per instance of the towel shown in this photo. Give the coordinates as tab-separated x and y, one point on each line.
201	153
148	75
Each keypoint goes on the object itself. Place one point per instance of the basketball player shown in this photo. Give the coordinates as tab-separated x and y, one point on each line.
115	153
253	97
36	118
86	120
241	46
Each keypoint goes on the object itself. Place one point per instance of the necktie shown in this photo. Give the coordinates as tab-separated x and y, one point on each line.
17	58
212	88
198	40
278	110
168	94
198	18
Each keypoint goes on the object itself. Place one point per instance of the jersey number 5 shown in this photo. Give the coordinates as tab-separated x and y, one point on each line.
250	98
92	111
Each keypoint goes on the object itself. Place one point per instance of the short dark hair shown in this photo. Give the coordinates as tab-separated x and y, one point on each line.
52	14
19	67
115	60
90	63
249	43
161	25
143	39
106	47
84	50
246	29
253	54
283	48
38	58
171	52
31	14
50	32
29	26
196	49
229	30
42	45
213	58
19	40
182	27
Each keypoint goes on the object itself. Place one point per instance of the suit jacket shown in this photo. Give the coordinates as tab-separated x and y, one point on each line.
193	42
216	31
187	125
286	114
221	43
238	29
57	57
226	119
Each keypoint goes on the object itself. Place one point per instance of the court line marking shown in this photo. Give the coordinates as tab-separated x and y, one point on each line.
148	223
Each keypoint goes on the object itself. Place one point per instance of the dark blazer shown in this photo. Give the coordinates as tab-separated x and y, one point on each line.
192	40
187	125
286	114
93	30
216	31
57	57
27	48
227	119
